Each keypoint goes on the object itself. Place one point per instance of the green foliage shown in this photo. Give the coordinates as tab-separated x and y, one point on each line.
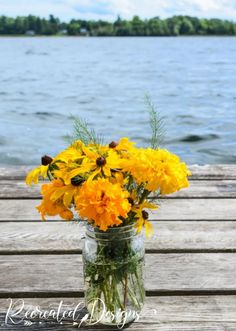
156	124
73	29
174	26
83	132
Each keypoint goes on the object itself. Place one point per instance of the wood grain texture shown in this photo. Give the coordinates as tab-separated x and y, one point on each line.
213	171
14	172
15	189
58	274
175	326
157	309
64	237
170	209
190	253
218	171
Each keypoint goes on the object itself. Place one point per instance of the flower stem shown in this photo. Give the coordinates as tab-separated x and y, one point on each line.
125	290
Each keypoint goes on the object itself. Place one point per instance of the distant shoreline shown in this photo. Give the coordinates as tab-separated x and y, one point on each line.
124	37
181	25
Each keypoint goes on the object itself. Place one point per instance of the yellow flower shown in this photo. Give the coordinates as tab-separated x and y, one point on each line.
73	153
51	204
118	177
96	163
172	173
103	203
124	144
68	193
157	170
142	217
33	175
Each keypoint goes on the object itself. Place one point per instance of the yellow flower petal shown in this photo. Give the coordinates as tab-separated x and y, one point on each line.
68	196
148	228
33	175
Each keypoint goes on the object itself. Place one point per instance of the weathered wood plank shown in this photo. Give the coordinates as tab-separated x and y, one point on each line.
213	171
219	171
64	237
165	273
14	172
170	209
157	309
197	189
175	326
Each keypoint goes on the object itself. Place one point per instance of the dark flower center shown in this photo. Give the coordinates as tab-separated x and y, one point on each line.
113	144
77	180
131	201
46	160
145	214
101	161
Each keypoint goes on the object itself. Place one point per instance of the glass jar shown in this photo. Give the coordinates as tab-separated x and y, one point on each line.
114	274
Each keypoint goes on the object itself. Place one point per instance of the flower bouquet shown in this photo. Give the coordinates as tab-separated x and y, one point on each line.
110	187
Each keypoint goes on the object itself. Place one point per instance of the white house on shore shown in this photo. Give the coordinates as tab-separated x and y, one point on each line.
30	33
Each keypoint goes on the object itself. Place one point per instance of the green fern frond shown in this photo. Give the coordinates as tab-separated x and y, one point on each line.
156	124
83	132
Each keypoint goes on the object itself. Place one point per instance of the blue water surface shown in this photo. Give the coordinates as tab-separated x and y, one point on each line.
44	82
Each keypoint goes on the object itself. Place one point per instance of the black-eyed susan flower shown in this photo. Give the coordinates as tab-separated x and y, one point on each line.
141	216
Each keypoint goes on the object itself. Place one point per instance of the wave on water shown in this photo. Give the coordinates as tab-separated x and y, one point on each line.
7	159
39	114
43	114
3	141
192	138
32	52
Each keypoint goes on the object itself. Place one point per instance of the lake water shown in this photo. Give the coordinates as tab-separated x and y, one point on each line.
44	82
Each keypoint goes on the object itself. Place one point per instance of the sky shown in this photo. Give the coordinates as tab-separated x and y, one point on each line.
109	10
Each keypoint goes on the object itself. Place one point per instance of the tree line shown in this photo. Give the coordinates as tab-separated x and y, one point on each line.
174	26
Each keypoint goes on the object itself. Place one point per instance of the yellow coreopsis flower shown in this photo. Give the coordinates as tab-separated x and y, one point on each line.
102	203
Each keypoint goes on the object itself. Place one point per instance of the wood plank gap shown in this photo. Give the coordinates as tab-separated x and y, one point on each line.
190	251
197	292
195	178
148	251
192	179
190	197
158	198
151	220
41	294
21	198
149	293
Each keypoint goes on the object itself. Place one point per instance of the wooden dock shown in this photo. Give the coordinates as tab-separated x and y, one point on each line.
190	260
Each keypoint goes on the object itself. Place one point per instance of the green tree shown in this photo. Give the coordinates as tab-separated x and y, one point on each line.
173	26
73	28
186	27
54	24
138	28
157	27
122	27
19	25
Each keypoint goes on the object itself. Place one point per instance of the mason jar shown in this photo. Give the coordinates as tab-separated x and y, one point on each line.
113	264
